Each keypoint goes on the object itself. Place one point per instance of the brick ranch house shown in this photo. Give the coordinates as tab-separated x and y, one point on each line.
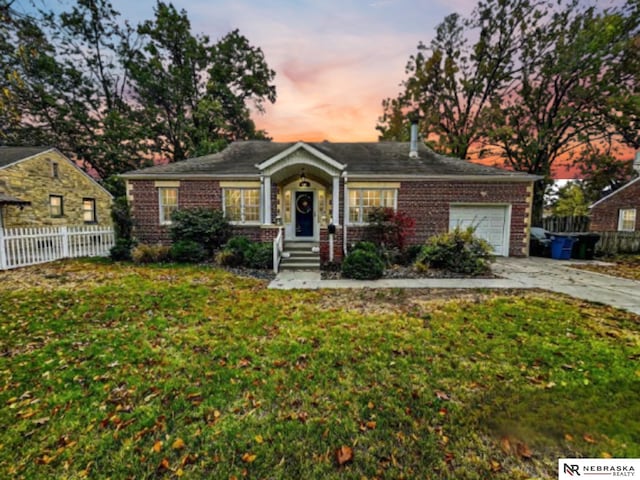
304	188
618	211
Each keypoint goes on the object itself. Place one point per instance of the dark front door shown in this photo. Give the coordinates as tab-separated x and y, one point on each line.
304	214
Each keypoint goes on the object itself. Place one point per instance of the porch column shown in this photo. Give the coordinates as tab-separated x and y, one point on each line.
266	199
335	216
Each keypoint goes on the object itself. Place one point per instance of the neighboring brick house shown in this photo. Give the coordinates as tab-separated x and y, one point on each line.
41	187
618	211
304	187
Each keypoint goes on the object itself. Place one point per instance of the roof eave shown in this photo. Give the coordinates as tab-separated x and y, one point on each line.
628	184
194	176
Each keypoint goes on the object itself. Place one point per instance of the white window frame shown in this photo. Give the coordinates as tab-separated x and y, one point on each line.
621	219
242	190
361	220
162	207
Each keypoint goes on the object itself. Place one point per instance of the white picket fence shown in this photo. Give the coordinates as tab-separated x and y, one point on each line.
20	247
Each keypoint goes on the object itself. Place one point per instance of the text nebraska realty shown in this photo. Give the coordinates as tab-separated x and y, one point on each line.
613	470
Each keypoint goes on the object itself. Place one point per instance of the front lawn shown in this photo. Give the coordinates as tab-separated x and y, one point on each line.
625	266
118	371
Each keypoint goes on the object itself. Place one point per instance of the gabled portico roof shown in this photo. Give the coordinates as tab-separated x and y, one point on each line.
309	149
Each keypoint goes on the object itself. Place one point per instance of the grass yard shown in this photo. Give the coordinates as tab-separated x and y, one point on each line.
625	266
119	371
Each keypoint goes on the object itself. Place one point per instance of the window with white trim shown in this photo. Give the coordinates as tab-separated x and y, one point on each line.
168	203
362	201
627	220
242	205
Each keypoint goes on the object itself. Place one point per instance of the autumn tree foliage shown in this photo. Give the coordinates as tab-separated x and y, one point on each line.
525	81
115	96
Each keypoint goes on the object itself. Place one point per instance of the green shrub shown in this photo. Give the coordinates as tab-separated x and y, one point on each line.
122	220
240	246
205	226
121	250
366	247
187	251
228	258
409	255
362	265
260	256
150	253
458	251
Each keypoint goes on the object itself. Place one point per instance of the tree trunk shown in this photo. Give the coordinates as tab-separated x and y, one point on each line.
537	209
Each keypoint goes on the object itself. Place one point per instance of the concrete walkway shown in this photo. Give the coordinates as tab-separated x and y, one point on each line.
532	272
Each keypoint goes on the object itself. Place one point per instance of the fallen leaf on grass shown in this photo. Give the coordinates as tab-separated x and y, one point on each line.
249	457
523	451
157	446
178	444
495	466
41	421
588	438
344	455
442	396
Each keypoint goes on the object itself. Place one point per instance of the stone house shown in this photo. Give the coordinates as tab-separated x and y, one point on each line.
618	211
39	186
311	189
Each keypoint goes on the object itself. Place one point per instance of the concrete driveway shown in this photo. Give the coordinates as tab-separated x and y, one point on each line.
558	276
532	272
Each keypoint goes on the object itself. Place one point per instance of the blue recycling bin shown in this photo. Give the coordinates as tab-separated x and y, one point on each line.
561	246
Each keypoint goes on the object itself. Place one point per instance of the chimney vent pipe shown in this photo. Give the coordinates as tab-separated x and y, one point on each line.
413	151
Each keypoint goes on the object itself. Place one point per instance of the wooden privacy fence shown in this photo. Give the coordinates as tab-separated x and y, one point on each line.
566	224
20	247
612	243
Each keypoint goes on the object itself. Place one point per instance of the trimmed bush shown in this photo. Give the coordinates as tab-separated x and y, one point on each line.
121	251
150	253
205	226
228	258
362	265
242	252
458	251
260	256
366	247
187	251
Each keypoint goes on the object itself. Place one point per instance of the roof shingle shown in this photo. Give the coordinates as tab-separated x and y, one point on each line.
372	158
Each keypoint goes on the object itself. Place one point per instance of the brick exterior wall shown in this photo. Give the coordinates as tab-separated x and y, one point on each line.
143	195
428	203
325	245
604	216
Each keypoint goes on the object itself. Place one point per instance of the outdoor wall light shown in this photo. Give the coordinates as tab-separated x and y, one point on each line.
304	183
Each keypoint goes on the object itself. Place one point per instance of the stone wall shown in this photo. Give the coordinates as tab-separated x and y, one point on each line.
33	180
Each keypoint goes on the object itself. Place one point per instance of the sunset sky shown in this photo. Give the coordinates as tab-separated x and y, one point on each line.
334	60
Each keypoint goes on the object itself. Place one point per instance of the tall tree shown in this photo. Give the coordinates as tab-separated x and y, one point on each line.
565	78
602	172
453	83
64	75
104	93
196	95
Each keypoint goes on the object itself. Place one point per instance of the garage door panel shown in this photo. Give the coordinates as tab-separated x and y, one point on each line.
491	223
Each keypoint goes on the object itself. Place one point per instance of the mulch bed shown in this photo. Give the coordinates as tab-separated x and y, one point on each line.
399	271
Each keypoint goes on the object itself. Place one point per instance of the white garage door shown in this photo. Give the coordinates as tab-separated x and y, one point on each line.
491	222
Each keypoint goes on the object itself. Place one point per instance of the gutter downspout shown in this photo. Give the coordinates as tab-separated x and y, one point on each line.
345	215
